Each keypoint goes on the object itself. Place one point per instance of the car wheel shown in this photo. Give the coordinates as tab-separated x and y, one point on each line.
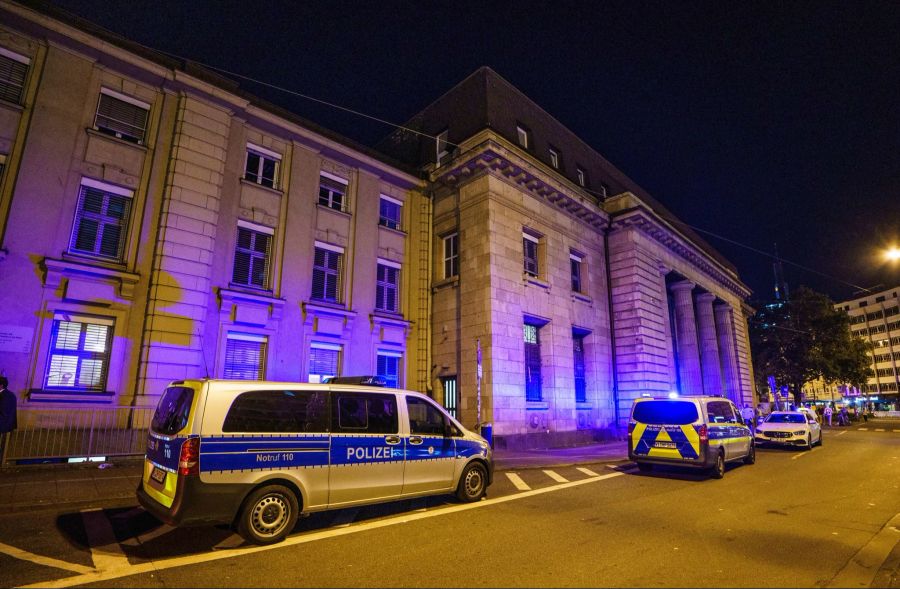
472	483
819	443
718	470
269	514
644	467
808	442
750	458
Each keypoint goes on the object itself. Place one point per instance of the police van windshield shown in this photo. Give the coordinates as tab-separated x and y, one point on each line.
173	410
665	412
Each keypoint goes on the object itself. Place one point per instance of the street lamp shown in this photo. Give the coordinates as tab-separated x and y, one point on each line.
892	254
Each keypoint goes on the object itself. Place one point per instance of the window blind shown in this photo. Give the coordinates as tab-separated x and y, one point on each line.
245	358
120	118
101	222
12	79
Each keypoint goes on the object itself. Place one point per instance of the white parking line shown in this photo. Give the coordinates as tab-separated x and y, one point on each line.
796	456
43	560
158	565
517	481
896	430
842	433
587	471
864	429
861	569
105	549
878	429
556	476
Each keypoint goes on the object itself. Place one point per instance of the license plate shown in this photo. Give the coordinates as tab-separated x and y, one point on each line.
664	445
158	474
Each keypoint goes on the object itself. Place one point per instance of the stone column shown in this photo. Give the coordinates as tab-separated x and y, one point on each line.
709	345
686	334
727	353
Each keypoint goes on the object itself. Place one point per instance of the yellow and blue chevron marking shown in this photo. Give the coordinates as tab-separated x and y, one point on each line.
666	441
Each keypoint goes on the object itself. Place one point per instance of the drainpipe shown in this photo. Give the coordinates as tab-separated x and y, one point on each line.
612	330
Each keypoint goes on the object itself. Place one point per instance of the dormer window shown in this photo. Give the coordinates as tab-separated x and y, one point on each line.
441	145
581	176
524	136
554	158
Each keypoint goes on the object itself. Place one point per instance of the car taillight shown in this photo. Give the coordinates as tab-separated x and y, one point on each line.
631	425
704	433
189	460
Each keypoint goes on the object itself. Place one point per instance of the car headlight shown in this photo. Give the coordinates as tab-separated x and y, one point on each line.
801	432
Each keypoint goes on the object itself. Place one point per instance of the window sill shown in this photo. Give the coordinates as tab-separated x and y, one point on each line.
12	106
246	289
55	270
577	296
388	315
393	229
74	396
528	279
451	282
335	211
327	307
97	133
537	406
97	262
253	184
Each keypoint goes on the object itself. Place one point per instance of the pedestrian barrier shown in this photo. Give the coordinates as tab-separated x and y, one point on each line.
49	436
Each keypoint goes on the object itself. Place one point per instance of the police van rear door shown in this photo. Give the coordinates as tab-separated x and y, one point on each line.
430	450
168	431
666	428
367	451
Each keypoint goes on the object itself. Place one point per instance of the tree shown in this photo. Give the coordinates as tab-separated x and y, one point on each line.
804	339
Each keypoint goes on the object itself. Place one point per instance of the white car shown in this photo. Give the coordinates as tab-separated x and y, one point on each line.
790	428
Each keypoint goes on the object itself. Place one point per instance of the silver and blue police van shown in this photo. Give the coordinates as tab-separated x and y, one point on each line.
696	431
258	454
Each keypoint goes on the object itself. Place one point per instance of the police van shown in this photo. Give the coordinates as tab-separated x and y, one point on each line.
257	454
695	431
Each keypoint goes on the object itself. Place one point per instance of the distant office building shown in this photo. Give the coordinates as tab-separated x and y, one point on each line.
159	223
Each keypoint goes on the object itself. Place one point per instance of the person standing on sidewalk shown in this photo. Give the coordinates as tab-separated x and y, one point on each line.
828	413
7	414
749	417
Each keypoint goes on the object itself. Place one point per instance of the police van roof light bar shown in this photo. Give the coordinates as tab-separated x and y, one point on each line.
374	381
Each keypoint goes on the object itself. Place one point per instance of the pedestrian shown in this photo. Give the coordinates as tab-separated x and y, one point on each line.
845	416
748	415
7	414
828	412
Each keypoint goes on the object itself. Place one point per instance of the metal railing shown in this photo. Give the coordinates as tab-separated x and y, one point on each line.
46	436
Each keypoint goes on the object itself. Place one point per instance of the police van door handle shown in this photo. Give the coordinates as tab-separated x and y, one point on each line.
392	440
415	440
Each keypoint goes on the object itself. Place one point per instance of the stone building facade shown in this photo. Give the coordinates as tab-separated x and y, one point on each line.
159	223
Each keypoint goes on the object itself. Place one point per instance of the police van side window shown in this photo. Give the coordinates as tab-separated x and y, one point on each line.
720	412
366	413
425	418
278	411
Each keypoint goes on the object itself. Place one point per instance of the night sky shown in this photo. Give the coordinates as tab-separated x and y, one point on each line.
753	122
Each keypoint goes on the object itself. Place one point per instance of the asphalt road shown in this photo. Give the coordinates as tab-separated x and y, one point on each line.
829	517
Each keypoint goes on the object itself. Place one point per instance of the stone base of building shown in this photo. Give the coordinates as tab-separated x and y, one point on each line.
565	439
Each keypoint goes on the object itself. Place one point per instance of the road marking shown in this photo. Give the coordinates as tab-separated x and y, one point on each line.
305	538
862	567
517	481
556	476
878	429
105	548
588	471
842	433
796	456
865	429
43	560
151	535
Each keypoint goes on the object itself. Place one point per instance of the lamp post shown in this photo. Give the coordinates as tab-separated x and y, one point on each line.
892	254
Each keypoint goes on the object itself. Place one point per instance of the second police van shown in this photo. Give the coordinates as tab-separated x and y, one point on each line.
257	454
703	432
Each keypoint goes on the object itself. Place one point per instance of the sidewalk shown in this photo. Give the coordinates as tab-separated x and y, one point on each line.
86	485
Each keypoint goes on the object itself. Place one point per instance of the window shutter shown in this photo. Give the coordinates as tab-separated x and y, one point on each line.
122	119
101	222
323	361
244	359
12	79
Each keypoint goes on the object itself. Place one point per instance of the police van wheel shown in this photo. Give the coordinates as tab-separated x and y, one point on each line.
751	455
718	470
269	514
472	483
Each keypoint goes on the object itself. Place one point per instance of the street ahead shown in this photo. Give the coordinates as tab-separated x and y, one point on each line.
826	517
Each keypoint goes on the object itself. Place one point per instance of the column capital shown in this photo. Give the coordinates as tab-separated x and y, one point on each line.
683	285
722	307
706	297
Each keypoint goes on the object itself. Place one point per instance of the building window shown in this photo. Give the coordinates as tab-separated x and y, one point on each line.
387	286
532	363
101	220
389	368
451	396
245	356
582	176
332	191
554	158
121	116
327	266
575	261
13	70
324	361
79	353
530	247
580	382
262	166
2	165
524	136
251	255
389	212
442	146
451	255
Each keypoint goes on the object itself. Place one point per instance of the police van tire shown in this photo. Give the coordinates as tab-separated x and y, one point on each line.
750	458
718	469
472	483
268	515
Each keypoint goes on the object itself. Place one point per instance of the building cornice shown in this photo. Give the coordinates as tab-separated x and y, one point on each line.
489	153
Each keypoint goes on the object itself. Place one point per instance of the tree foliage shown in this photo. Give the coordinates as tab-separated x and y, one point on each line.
804	339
